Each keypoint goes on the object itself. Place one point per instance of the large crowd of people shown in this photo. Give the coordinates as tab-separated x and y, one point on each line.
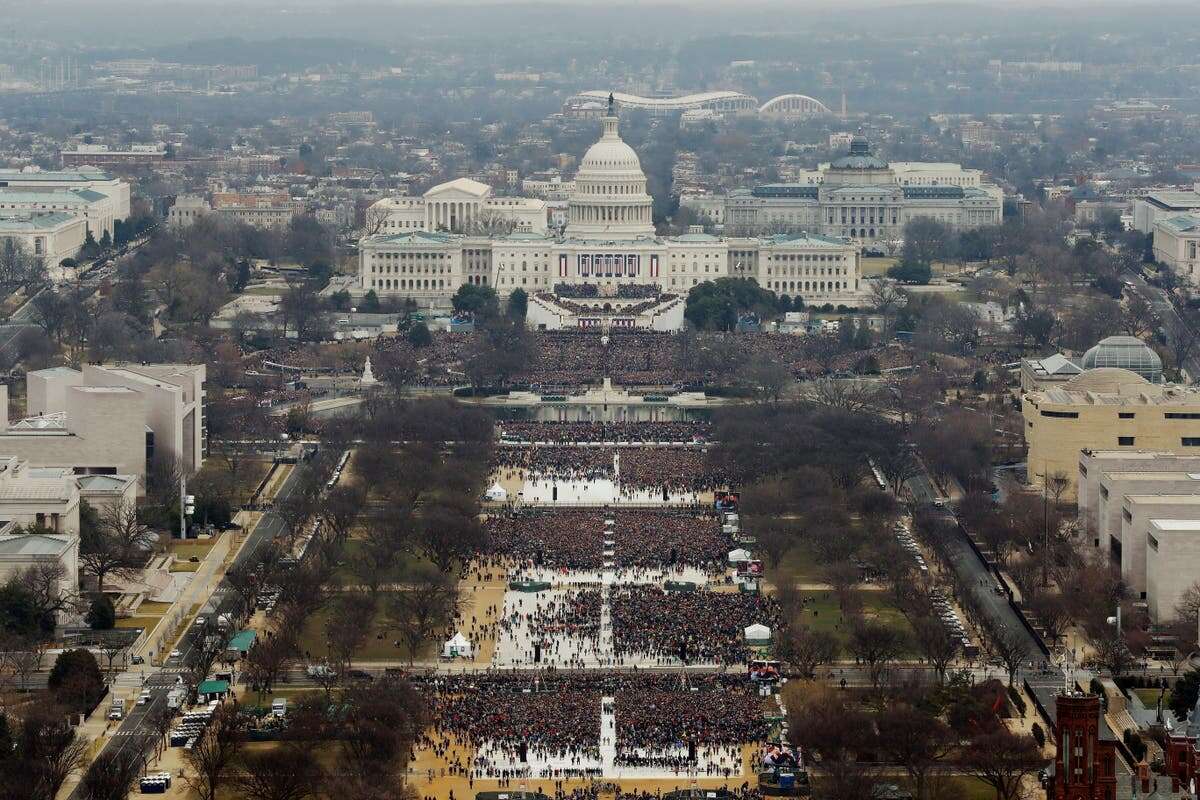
576	612
552	715
570	432
658	712
568	359
643	538
674	469
563	539
557	715
697	626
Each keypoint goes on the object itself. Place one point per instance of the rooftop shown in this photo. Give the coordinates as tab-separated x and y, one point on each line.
34	544
1174	200
1130	475
1158	497
54	176
1176	524
16	223
1182	223
48	195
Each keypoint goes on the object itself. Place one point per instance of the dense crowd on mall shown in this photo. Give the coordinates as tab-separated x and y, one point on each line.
675	469
689	626
574	432
557	714
575	539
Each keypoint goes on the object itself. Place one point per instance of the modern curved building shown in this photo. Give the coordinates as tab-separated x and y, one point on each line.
793	105
723	101
1108	407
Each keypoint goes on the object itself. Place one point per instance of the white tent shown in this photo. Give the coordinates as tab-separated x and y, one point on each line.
739	555
497	493
758	633
457	647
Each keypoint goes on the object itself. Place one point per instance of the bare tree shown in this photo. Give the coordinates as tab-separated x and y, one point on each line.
282	774
917	741
266	661
49	589
374	219
340	510
346	628
887	299
1138	315
1011	648
877	645
120	543
161	719
1003	760
808	650
111	776
430	603
834	732
936	643
212	755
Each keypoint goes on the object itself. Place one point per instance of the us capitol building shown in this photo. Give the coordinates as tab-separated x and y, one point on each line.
608	269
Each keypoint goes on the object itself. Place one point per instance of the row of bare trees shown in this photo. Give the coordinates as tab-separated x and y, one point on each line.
934	735
373	733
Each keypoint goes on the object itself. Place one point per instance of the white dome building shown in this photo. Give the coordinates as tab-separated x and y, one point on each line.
610	201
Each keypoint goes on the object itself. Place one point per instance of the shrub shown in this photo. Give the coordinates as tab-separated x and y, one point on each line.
1017	700
101	615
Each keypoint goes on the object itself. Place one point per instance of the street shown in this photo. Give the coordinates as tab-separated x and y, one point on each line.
1173	326
973	573
136	730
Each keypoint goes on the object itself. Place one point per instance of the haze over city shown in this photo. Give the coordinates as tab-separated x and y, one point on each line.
495	400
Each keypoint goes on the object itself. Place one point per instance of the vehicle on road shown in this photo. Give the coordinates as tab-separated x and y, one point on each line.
117	709
175	654
144	697
319	671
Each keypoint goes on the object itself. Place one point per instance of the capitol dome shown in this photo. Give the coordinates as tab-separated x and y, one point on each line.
1125	352
610	200
610	155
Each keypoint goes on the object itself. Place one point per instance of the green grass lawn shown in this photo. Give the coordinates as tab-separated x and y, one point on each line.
1149	697
148	608
798	565
249	698
379	644
404	565
873	266
821	612
960	787
138	622
184	566
185	549
265	290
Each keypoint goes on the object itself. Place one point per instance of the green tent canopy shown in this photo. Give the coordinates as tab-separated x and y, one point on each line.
243	641
529	586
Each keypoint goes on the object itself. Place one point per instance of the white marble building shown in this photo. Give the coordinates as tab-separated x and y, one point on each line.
1177	245
609	242
867	200
458	206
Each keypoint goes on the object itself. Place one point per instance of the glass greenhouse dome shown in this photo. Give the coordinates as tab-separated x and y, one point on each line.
1125	352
